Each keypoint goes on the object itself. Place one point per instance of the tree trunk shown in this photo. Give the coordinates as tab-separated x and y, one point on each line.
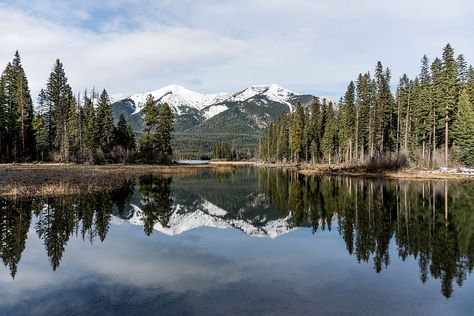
446	140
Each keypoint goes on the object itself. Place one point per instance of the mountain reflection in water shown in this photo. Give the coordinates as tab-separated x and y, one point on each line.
432	222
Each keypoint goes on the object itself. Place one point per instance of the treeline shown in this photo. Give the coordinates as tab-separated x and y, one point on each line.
68	127
223	150
429	121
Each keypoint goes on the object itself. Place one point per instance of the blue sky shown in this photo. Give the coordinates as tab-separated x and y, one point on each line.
219	45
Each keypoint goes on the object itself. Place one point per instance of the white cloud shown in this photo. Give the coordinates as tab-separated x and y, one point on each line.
308	46
128	61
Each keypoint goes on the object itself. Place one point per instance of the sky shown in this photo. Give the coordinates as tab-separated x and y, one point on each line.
308	46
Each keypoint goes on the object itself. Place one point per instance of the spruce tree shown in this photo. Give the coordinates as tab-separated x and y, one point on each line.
105	123
11	140
41	136
470	84
463	130
91	137
437	103
131	138
122	133
73	132
3	113
347	120
296	132
450	93
165	122
423	109
329	141
147	142
24	105
59	95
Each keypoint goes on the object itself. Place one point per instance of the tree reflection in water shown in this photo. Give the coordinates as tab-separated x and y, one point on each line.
433	222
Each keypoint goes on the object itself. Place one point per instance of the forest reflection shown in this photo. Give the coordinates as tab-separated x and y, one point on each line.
432	222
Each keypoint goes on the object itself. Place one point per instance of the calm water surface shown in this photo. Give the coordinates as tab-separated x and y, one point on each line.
251	241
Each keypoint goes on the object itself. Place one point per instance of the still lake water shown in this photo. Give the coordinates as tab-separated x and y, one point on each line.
243	242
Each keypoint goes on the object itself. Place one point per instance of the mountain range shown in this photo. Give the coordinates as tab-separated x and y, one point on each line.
204	119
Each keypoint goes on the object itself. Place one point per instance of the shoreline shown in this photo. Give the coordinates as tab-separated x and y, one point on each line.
60	179
359	172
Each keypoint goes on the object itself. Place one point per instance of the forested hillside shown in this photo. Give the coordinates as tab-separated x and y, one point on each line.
428	121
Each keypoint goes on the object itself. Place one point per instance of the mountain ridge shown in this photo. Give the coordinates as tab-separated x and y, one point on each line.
205	119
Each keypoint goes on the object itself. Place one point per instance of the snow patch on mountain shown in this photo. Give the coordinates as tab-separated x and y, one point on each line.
273	92
178	98
213	110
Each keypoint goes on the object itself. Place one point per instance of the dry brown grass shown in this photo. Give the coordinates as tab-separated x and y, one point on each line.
22	180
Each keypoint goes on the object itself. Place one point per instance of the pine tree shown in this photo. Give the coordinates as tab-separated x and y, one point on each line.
450	92
314	130
121	133
73	132
329	141
105	123
282	141
470	84
151	115
463	130
296	132
347	120
147	142
165	122
131	138
41	136
24	105
423	109
462	69
11	113
437	102
59	95
91	136
3	118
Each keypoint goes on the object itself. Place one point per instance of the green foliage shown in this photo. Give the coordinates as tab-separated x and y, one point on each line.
58	96
124	135
105	123
223	151
41	136
463	130
155	145
16	114
370	125
73	132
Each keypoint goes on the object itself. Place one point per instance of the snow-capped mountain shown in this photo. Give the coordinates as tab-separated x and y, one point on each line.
273	92
219	115
178	98
181	100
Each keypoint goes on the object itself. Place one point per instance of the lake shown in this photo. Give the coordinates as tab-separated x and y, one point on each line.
242	242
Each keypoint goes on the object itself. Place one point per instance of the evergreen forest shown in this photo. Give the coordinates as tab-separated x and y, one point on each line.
69	127
427	121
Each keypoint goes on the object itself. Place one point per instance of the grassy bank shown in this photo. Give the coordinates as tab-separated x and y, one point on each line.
22	180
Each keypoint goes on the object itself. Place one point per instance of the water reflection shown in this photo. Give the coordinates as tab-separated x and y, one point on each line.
433	222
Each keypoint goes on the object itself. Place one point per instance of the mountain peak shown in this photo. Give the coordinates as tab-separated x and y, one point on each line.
273	92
